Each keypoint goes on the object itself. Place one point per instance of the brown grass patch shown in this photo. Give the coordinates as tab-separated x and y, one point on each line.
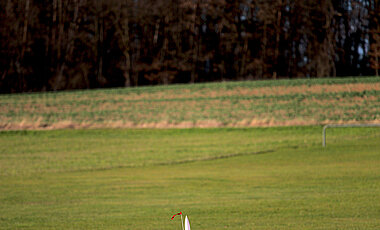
186	124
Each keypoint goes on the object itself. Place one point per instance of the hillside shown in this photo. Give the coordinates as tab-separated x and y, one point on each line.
226	104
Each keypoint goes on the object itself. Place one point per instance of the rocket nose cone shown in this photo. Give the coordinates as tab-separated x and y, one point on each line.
187	224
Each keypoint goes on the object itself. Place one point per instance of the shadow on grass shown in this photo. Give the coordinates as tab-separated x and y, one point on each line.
226	156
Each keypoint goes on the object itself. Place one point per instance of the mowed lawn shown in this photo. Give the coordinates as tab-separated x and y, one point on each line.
251	178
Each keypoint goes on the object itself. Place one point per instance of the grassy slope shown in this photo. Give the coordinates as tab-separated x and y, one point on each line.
242	104
136	179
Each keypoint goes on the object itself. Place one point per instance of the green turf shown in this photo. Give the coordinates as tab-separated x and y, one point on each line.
260	178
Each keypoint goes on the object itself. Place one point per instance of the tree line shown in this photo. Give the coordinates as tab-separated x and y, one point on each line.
69	44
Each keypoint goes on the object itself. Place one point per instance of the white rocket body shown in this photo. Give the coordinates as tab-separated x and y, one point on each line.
187	224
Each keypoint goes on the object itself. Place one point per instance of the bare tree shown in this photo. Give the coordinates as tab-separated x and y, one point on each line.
99	36
122	20
195	39
375	50
374	32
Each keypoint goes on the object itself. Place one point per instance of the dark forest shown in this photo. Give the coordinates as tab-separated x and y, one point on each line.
78	44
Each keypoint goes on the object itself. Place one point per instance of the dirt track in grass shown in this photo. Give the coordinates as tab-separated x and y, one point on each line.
187	107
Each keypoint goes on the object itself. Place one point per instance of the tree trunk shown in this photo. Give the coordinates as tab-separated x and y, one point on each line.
126	45
164	52
25	29
244	57
278	33
99	30
195	45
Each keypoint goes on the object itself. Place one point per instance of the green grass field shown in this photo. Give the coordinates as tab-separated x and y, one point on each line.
226	178
257	170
